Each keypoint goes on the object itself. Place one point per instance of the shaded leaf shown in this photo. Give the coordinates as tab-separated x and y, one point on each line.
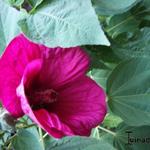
119	24
138	46
84	143
103	60
128	91
132	138
107	7
100	76
25	140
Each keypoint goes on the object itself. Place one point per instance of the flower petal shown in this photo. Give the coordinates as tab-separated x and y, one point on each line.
81	105
12	64
52	124
48	121
63	65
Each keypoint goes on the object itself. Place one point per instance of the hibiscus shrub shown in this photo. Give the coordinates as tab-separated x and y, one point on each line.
74	74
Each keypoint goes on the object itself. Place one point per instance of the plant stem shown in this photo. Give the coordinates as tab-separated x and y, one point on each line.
9	140
9	146
45	135
106	130
41	138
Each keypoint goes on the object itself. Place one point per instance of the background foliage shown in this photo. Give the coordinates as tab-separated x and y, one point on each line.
116	34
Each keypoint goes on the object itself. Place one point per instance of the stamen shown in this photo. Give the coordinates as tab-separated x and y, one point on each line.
41	98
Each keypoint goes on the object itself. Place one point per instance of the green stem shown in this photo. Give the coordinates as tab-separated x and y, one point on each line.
29	126
106	130
9	146
41	138
3	139
45	135
9	141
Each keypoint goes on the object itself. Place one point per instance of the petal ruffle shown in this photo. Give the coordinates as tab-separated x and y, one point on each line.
12	64
81	105
48	121
63	65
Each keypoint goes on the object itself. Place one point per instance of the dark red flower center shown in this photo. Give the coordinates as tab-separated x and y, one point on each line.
41	98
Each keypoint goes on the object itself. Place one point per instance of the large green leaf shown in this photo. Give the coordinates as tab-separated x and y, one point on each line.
8	24
128	89
77	143
64	23
129	137
26	140
126	137
111	7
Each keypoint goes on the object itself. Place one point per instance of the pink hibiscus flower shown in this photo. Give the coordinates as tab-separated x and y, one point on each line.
51	87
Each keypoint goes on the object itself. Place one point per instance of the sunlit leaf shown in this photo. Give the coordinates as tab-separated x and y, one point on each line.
64	23
8	24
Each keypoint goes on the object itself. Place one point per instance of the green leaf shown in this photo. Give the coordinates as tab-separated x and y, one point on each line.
107	7
108	138
16	3
137	46
25	140
122	142
146	3
129	93
64	23
111	121
100	76
100	54
77	143
122	23
129	137
35	3
8	24
103	61
32	4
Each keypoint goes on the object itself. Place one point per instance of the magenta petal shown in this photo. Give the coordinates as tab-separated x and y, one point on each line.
8	95
52	124
81	105
62	65
19	53
48	121
12	63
